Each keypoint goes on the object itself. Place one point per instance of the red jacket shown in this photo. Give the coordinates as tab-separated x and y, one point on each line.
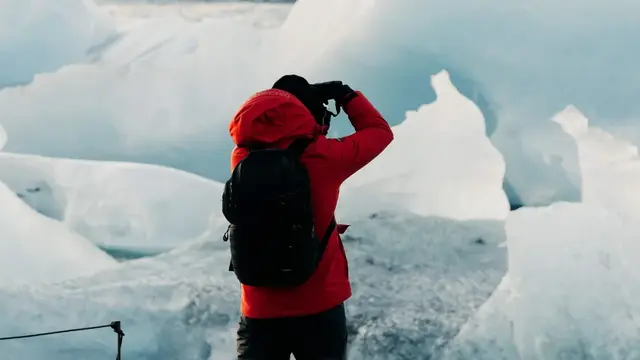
276	117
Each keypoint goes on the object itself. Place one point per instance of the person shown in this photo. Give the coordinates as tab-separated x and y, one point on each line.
308	321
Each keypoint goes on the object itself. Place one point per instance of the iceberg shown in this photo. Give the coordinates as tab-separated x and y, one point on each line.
521	64
581	254
609	166
448	166
164	99
35	249
3	137
28	46
117	205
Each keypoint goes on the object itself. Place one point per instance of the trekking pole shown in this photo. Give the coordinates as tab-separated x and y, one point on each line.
115	325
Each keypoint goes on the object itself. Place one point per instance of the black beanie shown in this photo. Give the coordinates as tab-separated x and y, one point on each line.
300	88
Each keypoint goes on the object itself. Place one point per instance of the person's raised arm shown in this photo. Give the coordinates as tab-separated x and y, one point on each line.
372	133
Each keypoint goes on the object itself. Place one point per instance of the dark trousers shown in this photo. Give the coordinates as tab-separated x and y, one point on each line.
321	336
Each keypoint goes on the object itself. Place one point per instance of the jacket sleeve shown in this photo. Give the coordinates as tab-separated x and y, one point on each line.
372	135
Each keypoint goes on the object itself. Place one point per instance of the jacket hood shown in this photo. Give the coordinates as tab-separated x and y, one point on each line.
273	117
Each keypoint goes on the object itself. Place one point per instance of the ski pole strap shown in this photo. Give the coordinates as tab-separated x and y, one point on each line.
115	325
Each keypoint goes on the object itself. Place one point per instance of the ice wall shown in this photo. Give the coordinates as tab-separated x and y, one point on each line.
519	63
38	36
440	164
124	205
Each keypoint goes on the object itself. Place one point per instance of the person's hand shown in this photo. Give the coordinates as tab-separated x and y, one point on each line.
331	90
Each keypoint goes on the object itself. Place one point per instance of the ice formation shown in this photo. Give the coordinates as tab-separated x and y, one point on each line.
148	97
609	166
441	164
3	137
38	36
570	292
521	64
507	73
123	205
162	92
572	278
35	249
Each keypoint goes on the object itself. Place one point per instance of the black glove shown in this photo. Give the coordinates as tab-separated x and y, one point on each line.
333	90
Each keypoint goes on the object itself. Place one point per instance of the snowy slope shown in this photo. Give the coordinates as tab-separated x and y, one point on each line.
122	205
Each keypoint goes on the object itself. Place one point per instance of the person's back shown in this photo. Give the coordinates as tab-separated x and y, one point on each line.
307	320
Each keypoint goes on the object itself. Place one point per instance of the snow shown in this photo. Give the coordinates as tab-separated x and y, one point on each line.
28	46
436	176
122	205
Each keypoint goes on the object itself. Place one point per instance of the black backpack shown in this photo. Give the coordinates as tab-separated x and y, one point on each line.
267	202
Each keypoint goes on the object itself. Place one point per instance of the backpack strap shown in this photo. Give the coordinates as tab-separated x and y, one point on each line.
298	146
326	237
